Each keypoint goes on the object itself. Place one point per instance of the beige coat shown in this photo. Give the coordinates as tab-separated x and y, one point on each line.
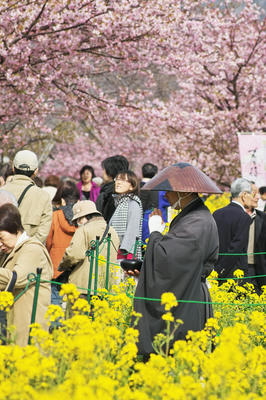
25	259
35	208
75	255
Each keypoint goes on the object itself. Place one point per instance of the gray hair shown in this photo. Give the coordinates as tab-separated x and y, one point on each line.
7	197
240	185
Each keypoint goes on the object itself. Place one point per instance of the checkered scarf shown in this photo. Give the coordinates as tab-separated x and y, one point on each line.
119	219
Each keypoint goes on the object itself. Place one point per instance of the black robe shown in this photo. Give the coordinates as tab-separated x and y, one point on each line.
177	262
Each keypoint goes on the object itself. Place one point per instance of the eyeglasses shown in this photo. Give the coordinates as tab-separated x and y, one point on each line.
252	194
121	180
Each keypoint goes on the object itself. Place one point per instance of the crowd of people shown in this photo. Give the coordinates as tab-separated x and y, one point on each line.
51	224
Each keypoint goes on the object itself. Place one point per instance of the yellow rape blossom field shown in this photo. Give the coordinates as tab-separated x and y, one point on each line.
214	202
92	352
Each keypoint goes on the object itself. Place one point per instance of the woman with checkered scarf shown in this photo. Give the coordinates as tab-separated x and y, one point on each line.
128	215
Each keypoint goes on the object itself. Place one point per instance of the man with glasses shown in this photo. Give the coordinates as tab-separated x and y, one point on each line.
233	225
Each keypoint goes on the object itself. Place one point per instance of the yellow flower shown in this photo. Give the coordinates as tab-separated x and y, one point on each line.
54	313
131	282
81	306
239	317
168	317
217	315
101	260
69	292
168	299
214	202
238	273
6	300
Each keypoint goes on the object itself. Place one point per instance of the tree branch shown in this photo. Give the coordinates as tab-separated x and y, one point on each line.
36	19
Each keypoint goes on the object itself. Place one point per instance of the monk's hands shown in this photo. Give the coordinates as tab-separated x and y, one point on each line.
155	224
136	272
156	221
156	211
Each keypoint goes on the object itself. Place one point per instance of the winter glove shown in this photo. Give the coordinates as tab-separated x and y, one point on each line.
156	224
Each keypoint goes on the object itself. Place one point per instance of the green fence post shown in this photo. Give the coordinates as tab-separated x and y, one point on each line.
90	273
96	265
35	298
135	247
108	261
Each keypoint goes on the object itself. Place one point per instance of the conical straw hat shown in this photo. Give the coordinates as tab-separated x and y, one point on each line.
182	177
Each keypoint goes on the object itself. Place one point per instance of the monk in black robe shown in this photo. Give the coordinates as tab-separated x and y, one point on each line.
178	261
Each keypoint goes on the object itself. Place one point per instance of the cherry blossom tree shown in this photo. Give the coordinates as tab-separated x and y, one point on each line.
53	51
219	55
55	54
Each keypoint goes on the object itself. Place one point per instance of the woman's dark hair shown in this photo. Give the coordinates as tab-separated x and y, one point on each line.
262	189
115	164
89	168
67	191
52	180
10	219
93	215
38	181
132	178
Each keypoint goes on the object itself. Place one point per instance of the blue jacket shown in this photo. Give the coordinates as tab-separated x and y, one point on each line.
162	205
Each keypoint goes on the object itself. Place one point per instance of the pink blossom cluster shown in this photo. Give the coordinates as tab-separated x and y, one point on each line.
53	54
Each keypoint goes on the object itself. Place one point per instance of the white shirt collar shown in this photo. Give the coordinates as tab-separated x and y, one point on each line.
241	205
22	238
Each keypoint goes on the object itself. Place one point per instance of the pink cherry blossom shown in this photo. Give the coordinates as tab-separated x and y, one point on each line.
77	81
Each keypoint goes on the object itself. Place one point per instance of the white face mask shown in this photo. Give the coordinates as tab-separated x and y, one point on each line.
173	206
178	202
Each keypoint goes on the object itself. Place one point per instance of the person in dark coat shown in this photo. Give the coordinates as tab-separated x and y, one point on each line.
151	199
233	224
257	243
105	201
179	261
262	200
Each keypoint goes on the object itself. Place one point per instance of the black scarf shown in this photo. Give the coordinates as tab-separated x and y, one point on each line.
68	213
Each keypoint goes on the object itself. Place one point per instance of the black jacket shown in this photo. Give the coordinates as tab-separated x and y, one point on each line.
149	198
105	201
233	228
260	246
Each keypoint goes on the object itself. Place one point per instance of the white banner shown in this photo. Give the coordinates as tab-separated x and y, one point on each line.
252	150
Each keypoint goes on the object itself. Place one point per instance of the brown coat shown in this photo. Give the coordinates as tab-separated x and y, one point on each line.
59	238
75	255
35	209
25	258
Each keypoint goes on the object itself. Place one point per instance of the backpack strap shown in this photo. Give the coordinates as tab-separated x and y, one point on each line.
12	282
21	197
104	234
